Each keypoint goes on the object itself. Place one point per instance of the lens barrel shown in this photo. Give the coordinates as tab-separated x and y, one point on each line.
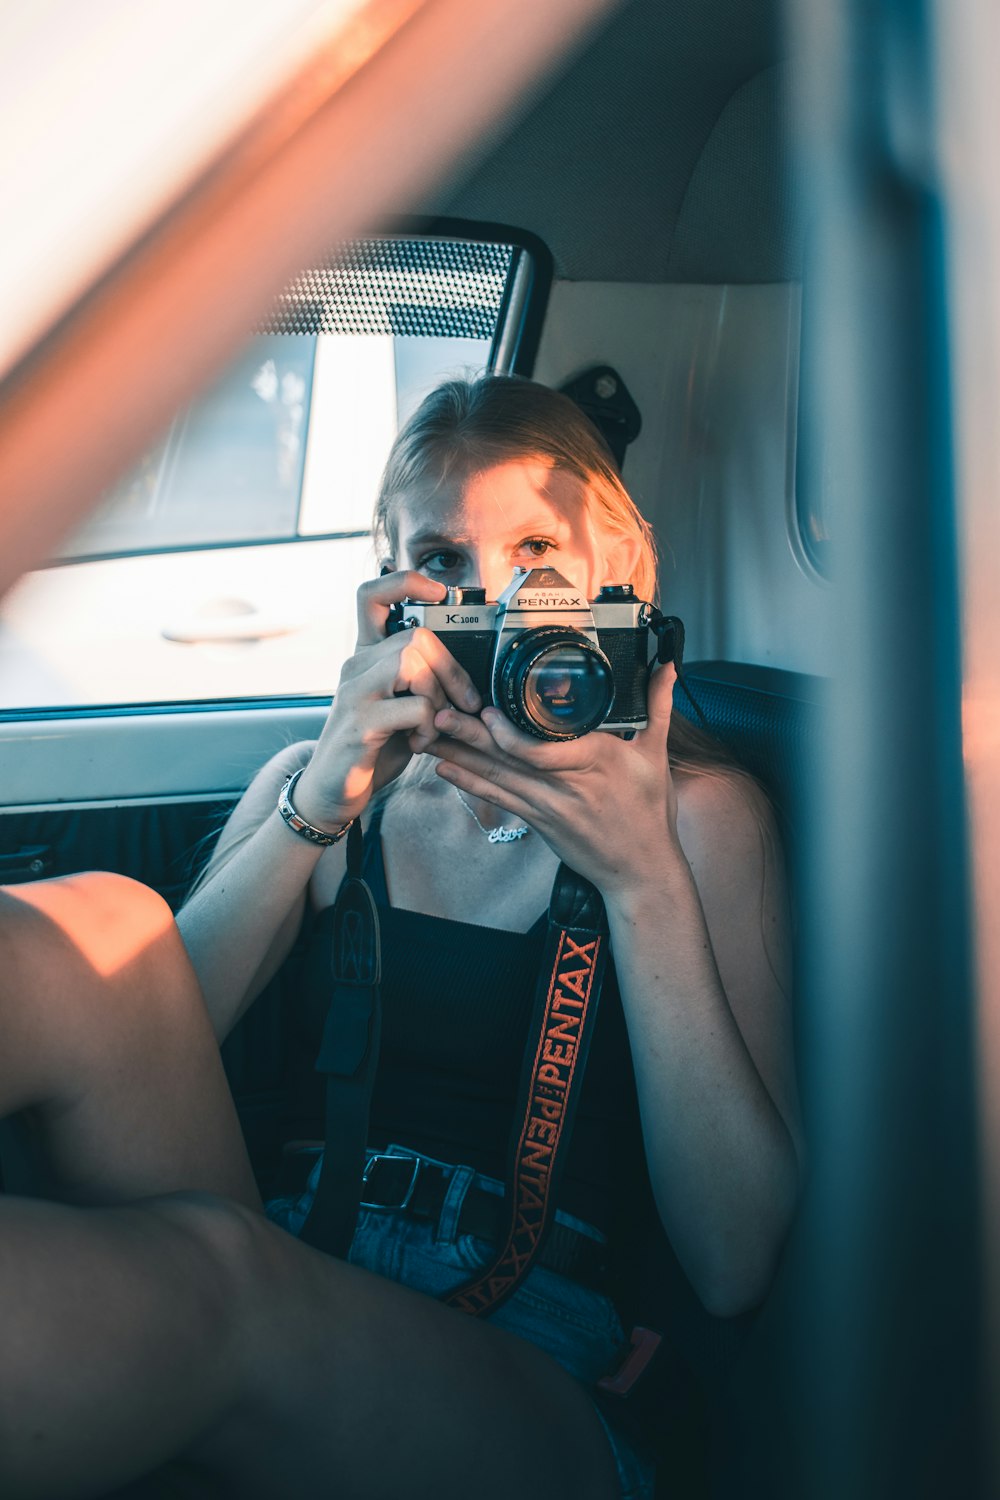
554	683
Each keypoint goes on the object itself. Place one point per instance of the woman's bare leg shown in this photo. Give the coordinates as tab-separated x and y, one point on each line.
106	1049
371	1391
190	1326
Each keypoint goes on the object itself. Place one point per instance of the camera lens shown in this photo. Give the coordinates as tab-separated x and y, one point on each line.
555	683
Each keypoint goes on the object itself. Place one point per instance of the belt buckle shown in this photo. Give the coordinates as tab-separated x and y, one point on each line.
371	1166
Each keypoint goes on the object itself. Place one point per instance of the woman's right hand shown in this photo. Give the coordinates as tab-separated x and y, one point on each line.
384	707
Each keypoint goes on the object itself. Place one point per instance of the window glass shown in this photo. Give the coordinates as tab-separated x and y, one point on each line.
230	467
224	565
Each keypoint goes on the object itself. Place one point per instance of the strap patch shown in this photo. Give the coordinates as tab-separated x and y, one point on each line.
643	1345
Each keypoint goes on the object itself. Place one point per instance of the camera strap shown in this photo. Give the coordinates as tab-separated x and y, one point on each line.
669	632
348	1055
565	1009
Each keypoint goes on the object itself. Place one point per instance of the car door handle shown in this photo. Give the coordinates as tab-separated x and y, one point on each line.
226	621
31	862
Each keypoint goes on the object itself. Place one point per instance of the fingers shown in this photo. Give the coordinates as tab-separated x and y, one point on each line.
413	675
491	745
414	661
467	739
375	599
377	595
455	680
543	755
468	729
465	743
396	663
392	687
389	716
504	797
661	702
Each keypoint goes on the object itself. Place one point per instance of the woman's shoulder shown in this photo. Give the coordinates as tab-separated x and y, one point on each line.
729	835
723	814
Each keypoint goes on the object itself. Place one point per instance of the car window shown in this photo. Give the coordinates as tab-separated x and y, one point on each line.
228	469
224	564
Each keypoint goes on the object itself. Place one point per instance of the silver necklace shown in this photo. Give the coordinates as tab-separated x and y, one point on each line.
495	835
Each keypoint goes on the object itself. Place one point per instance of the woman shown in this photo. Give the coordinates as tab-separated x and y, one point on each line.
139	1328
485	478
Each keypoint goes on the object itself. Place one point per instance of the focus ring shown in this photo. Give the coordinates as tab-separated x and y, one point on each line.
521	658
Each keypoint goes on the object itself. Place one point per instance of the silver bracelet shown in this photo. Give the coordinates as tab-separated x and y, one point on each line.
298	824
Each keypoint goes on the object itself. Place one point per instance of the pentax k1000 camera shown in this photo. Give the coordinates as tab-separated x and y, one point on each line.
557	664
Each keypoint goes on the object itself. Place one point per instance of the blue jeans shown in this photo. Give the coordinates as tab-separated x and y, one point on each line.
578	1327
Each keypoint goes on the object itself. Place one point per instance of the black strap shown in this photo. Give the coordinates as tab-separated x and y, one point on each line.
372	861
669	632
348	1055
566	998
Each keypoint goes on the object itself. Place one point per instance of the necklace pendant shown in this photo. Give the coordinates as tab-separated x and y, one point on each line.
505	835
493	835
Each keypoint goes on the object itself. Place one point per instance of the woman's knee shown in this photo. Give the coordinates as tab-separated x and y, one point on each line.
228	1254
70	951
154	1355
112	921
98	951
79	928
275	1290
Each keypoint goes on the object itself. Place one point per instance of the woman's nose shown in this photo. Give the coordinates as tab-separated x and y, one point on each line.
491	574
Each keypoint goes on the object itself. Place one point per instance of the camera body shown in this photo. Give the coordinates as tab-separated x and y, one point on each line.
557	664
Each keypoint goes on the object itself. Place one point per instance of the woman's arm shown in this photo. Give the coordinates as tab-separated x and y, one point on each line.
702	950
241	919
692	880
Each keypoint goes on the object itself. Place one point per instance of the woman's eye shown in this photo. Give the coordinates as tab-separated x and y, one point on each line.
440	562
538	545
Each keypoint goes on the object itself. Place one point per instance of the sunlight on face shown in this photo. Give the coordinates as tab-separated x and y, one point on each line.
475	530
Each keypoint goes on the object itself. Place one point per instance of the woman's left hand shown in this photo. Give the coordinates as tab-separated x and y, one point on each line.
606	806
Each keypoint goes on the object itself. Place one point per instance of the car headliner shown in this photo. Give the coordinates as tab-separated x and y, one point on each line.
658	154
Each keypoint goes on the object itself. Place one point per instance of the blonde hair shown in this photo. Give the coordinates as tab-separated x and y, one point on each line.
465	426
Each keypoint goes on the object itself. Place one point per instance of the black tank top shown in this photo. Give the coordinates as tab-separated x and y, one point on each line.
456	1007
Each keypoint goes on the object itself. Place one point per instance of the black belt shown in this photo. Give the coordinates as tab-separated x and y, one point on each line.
408	1184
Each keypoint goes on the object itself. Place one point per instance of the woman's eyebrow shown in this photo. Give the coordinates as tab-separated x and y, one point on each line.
435	539
431	538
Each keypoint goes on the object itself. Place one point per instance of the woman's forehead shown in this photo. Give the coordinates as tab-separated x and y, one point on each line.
504	497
